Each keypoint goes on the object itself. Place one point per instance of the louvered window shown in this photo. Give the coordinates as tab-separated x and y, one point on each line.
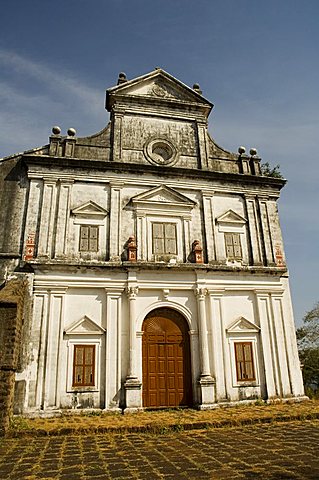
164	238
244	361
89	238
233	246
83	365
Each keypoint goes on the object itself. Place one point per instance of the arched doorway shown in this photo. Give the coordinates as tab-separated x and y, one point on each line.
166	363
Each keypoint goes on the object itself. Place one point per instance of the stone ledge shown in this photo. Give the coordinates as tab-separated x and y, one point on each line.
159	421
139	265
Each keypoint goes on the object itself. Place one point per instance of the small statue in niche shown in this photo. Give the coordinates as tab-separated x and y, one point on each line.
131	249
197	252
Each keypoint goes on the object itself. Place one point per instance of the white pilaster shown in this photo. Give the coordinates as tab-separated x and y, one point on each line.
284	373
141	236
115	221
275	232
47	221
264	216
253	230
63	216
291	344
202	144
113	349
218	340
41	308
117	134
31	227
53	340
209	228
187	239
269	354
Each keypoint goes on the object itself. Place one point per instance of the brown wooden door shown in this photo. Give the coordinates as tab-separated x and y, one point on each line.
166	360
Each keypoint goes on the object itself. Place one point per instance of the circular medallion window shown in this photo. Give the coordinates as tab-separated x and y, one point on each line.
158	91
160	152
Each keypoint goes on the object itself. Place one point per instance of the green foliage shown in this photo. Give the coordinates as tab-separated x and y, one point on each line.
260	403
178	428
269	171
18	423
308	334
308	345
311	393
310	361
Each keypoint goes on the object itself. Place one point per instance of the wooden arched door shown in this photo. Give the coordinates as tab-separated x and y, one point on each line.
166	360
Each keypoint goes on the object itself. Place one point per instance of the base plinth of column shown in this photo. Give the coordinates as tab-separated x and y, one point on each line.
207	391
115	259
133	393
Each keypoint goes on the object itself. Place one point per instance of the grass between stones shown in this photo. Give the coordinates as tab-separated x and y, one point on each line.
163	421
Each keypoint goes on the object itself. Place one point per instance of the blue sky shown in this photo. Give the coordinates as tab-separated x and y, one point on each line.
256	61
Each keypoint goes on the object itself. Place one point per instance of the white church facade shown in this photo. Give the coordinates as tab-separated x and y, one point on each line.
154	261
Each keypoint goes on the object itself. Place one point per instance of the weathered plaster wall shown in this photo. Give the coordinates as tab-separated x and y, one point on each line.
13	193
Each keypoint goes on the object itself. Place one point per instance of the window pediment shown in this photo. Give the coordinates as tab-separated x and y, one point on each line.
162	198
84	326
90	210
231	217
231	221
242	325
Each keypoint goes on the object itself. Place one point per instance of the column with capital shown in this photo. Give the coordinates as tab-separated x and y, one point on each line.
206	382
132	384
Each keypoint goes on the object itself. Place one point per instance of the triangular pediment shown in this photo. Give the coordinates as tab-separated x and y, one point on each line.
242	325
163	195
89	209
162	200
84	326
231	217
161	85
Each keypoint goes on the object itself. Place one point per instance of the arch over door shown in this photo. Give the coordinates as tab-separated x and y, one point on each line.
166	360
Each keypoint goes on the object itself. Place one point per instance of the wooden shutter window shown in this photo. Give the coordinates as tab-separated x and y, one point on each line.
89	238
84	239
83	365
93	239
164	238
244	362
158	238
233	246
170	238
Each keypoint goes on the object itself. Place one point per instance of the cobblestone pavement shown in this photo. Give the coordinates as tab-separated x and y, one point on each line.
268	452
